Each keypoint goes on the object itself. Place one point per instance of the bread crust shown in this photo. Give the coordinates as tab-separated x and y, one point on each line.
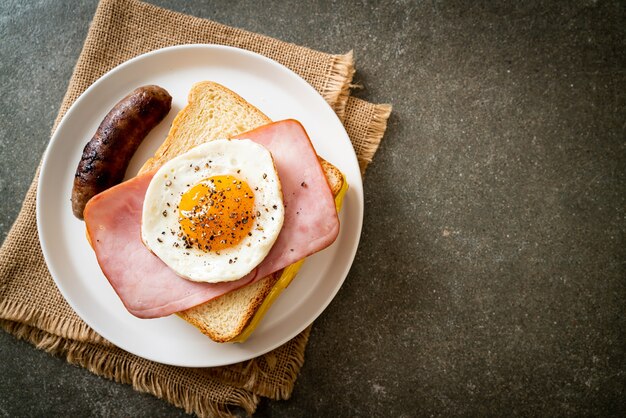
200	316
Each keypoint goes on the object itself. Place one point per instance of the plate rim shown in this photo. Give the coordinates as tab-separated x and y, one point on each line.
47	160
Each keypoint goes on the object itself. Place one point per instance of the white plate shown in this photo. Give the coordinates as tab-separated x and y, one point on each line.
280	94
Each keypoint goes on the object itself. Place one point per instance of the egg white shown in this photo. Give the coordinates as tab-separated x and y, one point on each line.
241	158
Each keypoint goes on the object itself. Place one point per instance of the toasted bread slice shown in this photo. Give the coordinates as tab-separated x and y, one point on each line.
213	111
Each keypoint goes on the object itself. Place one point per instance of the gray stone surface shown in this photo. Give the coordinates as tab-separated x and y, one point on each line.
490	277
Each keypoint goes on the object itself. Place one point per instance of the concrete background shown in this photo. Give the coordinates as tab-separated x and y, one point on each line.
490	277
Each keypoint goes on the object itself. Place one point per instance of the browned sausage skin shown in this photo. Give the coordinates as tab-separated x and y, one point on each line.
107	155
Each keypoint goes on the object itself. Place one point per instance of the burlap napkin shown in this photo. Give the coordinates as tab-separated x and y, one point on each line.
31	306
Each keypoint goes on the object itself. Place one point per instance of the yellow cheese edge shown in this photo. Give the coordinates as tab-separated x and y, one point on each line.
285	279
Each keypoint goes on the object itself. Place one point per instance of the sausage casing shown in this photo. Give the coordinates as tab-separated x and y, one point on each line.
107	155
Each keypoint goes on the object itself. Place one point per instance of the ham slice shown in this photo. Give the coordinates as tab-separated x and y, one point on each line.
311	223
150	289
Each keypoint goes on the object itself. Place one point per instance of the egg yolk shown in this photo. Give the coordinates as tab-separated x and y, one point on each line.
217	213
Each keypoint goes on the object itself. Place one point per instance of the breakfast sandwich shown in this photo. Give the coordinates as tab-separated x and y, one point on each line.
218	222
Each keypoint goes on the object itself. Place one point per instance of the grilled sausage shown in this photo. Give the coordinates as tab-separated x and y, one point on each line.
107	155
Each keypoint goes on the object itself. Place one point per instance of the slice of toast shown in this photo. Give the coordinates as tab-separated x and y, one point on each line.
213	111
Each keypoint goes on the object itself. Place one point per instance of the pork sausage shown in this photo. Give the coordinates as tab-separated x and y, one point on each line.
107	155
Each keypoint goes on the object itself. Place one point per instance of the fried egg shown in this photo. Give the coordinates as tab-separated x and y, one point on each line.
213	213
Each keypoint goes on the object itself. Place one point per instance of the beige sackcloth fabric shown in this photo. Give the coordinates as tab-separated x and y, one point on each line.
32	308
